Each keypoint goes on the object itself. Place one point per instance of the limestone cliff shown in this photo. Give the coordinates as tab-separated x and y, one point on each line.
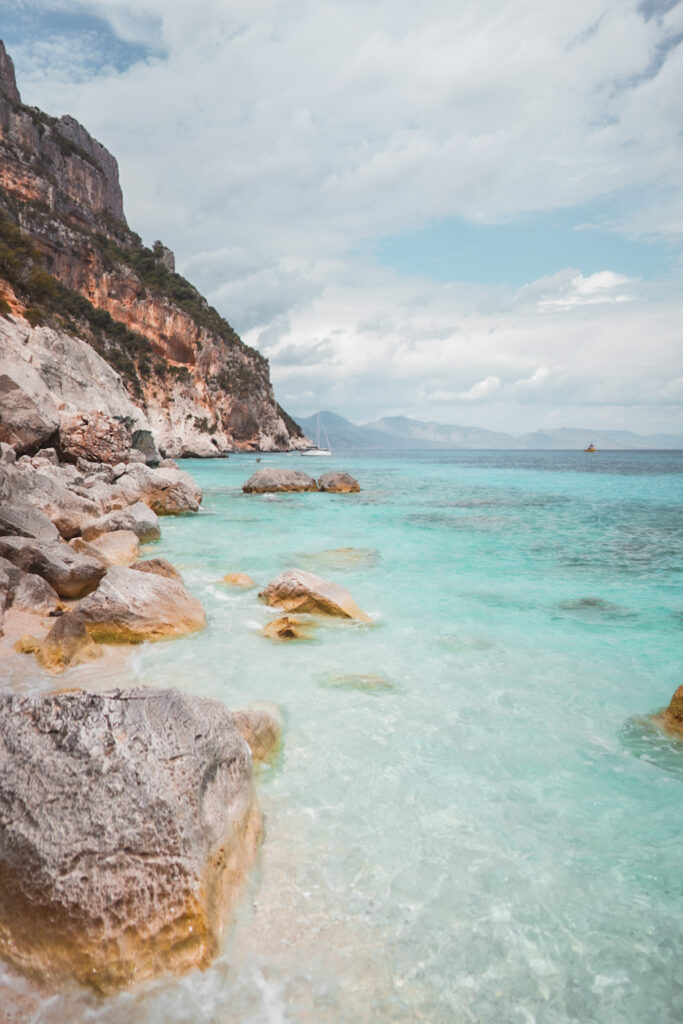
203	390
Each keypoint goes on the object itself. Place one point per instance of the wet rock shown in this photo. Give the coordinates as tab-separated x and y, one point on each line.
168	492
130	607
158	566
671	718
71	574
120	547
127	822
67	643
288	628
238	579
138	518
268	481
24	521
93	436
261	727
297	590
338	482
34	594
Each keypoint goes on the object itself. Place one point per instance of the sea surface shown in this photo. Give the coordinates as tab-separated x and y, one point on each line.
472	818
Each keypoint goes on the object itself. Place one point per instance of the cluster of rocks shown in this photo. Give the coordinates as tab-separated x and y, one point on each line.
69	548
272	481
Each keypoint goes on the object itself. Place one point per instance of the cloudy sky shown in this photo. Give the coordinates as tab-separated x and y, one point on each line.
462	210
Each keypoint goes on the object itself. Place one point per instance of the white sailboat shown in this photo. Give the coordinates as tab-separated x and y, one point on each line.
322	441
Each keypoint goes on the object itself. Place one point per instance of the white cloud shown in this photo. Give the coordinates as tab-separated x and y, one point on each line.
267	142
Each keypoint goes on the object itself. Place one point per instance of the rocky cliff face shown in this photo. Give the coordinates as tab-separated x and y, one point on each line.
204	391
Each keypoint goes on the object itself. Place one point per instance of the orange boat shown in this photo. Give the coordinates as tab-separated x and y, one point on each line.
591	448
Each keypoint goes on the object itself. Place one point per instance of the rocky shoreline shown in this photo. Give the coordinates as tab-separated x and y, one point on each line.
128	819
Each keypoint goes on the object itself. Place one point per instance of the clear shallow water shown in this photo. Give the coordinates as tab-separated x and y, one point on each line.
469	821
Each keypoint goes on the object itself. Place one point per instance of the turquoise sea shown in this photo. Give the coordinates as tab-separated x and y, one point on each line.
472	819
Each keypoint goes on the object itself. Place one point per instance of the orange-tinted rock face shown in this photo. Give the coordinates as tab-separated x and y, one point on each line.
207	392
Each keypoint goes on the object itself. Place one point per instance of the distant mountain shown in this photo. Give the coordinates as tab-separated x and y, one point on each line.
402	433
440	435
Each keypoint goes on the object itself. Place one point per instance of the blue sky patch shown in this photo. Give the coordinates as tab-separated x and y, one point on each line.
519	252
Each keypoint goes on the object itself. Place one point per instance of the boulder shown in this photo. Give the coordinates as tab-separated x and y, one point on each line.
168	492
94	436
158	566
238	579
261	727
24	521
339	483
34	594
27	419
288	628
127	822
67	643
130	607
71	574
300	591
138	518
120	547
671	718
269	481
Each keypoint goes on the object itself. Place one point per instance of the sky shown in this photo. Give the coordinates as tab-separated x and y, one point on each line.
468	211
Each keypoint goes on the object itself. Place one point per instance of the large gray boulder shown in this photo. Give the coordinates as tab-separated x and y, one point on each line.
139	518
27	419
270	481
25	521
301	591
168	492
127	822
130	607
71	574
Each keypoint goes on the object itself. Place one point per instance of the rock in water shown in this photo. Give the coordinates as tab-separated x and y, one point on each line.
127	822
300	591
340	483
268	481
671	718
67	643
129	607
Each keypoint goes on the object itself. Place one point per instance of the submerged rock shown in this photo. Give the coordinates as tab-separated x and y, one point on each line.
127	822
238	579
288	628
270	481
129	607
261	727
338	482
297	590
